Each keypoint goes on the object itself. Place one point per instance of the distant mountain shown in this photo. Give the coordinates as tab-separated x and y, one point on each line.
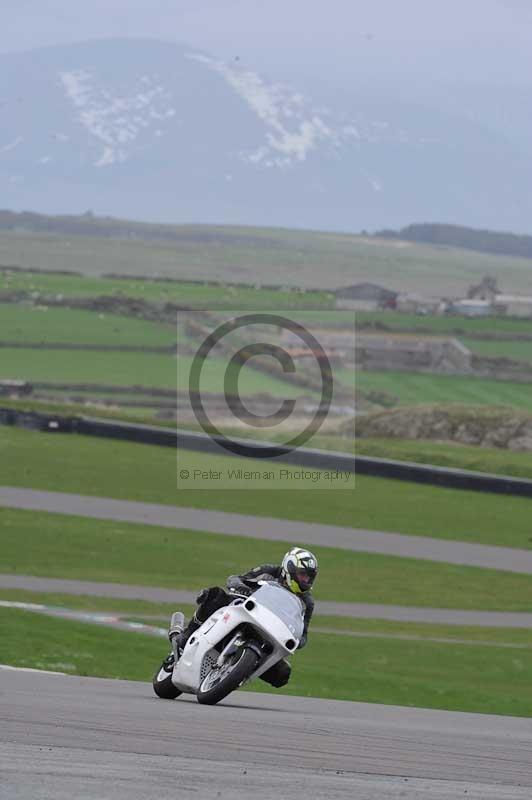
156	131
496	242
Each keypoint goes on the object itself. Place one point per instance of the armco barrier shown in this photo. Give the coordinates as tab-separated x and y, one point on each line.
304	457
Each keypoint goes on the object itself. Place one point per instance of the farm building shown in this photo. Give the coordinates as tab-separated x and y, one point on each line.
418	304
509	305
365	297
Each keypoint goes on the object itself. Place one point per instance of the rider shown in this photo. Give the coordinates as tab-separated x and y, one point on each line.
297	573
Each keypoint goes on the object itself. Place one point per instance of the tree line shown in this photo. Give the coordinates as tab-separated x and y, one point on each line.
498	243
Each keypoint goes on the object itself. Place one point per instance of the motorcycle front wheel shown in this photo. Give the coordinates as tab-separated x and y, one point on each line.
223	680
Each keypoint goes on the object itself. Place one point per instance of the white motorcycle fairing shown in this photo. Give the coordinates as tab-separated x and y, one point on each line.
274	612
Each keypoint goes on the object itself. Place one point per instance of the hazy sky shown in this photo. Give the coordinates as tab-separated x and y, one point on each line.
475	40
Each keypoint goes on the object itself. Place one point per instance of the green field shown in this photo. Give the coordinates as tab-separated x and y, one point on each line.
117	369
189	294
85	465
25	324
269	256
130	369
446	324
452	676
58	546
410	388
517	351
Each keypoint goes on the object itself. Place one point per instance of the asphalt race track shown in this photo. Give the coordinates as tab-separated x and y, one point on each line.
64	737
197	519
446	616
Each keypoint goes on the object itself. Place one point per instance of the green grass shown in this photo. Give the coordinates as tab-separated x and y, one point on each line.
58	546
517	351
76	647
159	614
446	454
128	369
189	294
411	388
85	465
426	674
117	369
274	256
446	324
462	678
24	324
111	605
126	414
522	637
480	459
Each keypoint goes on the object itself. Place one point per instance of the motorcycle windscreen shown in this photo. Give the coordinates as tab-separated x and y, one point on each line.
284	605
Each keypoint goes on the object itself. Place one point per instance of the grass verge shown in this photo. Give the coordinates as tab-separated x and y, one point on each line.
461	678
59	546
447	454
90	466
480	459
144	611
85	602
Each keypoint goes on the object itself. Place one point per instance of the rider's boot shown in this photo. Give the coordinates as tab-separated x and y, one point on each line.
177	624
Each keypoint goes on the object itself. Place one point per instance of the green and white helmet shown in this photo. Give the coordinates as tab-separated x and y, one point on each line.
299	570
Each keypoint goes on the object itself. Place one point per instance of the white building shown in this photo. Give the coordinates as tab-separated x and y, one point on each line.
472	308
513	305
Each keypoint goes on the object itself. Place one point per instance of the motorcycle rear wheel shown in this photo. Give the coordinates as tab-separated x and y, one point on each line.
211	691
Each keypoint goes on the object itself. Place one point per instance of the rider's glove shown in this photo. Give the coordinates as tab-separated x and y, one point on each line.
239	588
245	590
236	585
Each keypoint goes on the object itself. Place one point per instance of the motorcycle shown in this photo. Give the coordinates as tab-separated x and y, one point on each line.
235	645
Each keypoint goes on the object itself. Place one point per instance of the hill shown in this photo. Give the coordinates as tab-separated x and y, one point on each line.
497	242
160	131
97	246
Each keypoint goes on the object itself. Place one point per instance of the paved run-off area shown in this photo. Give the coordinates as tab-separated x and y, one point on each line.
65	736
